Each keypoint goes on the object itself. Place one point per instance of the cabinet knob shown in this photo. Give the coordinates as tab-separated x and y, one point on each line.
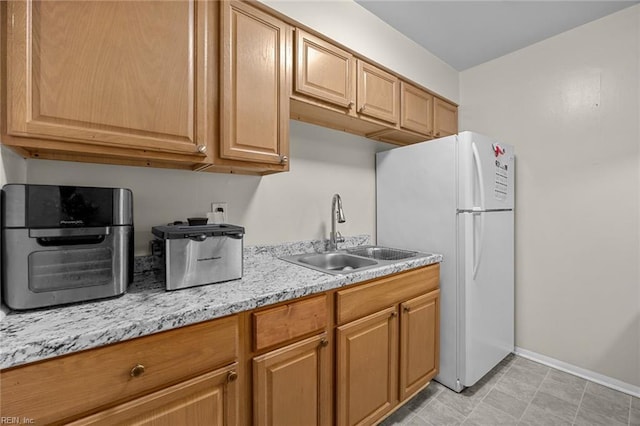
202	149
351	104
437	133
232	376
363	108
137	370
284	159
394	314
324	343
406	309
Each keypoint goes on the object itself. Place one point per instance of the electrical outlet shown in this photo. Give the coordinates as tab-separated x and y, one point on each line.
218	212
216	207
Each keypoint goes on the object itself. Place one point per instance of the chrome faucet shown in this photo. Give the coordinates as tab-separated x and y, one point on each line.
336	214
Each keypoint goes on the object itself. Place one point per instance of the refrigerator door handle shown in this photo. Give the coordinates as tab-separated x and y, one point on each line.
476	159
477	253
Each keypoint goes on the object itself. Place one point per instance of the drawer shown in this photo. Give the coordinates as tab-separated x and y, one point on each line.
70	385
365	299
283	323
209	399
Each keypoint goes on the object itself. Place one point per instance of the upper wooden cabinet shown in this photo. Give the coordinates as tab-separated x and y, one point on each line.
329	81
255	86
197	85
100	77
416	110
323	71
445	118
377	93
186	84
423	116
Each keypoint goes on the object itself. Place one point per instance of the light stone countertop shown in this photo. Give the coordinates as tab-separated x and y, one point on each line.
147	308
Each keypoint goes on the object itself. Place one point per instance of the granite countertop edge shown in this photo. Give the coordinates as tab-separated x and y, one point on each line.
147	308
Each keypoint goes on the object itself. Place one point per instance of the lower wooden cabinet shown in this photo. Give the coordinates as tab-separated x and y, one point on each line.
385	355
75	385
291	385
347	357
366	365
210	399
419	342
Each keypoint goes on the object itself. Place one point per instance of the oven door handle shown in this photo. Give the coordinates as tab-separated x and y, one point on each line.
69	232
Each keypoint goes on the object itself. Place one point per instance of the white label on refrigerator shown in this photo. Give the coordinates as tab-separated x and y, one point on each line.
501	181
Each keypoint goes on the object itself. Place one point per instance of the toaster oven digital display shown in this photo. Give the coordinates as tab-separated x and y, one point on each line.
68	206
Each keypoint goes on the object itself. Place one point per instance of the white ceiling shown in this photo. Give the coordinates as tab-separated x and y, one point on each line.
467	33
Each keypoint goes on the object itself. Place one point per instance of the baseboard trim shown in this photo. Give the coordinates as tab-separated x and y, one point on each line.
601	379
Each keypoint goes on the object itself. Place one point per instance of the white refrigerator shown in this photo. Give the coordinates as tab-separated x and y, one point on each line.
455	196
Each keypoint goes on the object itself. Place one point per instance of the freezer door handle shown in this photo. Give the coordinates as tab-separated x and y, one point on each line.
476	159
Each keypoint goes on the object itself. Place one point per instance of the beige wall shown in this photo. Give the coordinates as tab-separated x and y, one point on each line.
570	105
12	167
282	207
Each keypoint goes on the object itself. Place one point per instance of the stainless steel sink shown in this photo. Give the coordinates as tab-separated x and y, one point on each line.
352	259
331	262
382	253
336	261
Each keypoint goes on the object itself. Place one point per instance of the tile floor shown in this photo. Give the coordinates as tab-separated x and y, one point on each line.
521	392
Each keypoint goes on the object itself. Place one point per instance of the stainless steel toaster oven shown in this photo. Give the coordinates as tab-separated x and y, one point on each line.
199	254
65	244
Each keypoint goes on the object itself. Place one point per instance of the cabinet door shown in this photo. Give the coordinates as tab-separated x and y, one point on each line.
117	74
416	109
419	342
445	118
291	385
323	71
255	91
367	355
210	399
377	94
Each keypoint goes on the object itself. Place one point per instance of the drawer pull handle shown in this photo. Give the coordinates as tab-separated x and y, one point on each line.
232	376
324	343
137	370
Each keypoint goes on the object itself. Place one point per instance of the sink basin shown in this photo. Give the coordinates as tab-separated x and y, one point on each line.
352	259
382	253
332	262
336	261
